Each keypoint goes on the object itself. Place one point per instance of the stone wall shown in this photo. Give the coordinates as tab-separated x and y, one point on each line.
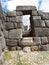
2	39
38	37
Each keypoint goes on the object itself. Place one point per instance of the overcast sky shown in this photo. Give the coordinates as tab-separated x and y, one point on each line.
42	5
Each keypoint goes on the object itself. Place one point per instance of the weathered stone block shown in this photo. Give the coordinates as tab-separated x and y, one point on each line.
36	17
15	25
11	13
34	13
16	19
9	25
41	32
35	48
44	40
18	48
45	47
40	13
19	25
11	42
42	23
12	48
47	23
23	8
27	49
7	19
15	33
2	41
37	40
36	23
19	13
5	33
27	41
45	16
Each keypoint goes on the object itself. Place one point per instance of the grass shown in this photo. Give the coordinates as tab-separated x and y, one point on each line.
21	58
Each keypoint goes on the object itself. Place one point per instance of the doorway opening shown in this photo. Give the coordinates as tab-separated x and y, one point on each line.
26	25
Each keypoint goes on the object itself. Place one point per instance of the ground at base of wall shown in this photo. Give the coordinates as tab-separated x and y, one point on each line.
30	58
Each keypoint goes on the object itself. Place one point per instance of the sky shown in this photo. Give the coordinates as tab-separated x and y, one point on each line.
10	5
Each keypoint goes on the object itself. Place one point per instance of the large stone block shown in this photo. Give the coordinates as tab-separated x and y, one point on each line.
19	25
45	47
34	13
15	33
11	42
27	49
2	41
47	23
45	16
7	19
5	32
27	41
35	48
23	8
40	13
44	40
16	19
36	23
9	25
1	25
42	23
13	48
11	13
37	40
19	13
36	17
41	32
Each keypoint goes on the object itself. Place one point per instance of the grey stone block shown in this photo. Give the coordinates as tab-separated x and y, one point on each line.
42	23
2	41
41	32
47	23
45	16
23	8
5	33
38	32
36	23
11	42
19	13
9	25
12	19
16	19
37	40
36	17
7	19
44	40
19	25
11	13
15	25
15	33
12	48
40	13
27	49
18	48
34	13
1	25
45	47
27	41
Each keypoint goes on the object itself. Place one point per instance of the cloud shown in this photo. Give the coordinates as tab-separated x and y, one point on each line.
43	5
12	4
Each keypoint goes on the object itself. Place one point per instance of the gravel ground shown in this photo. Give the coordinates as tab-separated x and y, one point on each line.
31	58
